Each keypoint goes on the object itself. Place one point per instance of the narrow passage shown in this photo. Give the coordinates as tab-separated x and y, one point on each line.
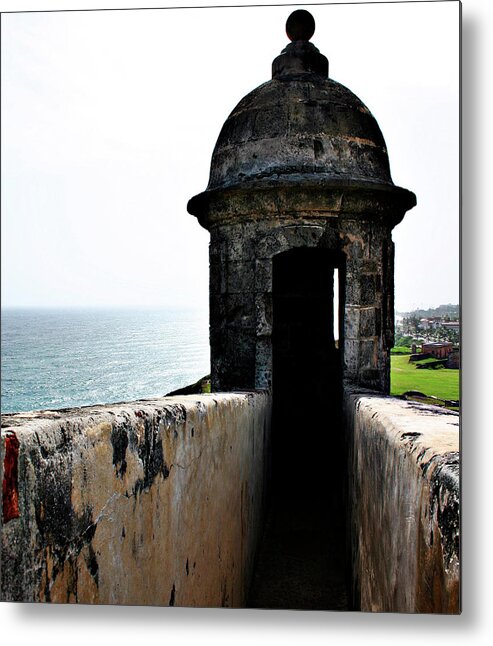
301	562
301	559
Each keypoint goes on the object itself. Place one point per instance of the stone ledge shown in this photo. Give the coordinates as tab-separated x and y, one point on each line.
151	502
405	484
28	419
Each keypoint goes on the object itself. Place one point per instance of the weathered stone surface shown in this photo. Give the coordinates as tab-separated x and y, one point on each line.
352	319
368	354
404	505
368	322
154	502
301	196
300	163
307	125
241	262
368	288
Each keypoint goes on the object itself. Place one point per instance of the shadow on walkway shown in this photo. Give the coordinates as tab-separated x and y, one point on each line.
301	561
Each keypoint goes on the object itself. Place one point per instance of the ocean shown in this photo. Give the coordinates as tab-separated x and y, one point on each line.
54	358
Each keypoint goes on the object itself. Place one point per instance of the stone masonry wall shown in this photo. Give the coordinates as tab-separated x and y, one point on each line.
403	505
369	326
155	502
241	267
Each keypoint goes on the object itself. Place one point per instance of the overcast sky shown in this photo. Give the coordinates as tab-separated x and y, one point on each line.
109	120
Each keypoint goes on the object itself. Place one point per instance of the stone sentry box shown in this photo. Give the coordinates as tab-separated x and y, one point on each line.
300	163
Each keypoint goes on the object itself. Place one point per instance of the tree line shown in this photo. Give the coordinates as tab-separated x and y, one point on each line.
411	326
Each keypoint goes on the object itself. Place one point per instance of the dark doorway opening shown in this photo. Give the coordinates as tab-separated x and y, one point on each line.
301	562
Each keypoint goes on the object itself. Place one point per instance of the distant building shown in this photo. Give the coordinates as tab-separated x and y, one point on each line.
427	323
452	325
437	350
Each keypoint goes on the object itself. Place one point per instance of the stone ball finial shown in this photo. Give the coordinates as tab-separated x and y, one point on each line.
300	25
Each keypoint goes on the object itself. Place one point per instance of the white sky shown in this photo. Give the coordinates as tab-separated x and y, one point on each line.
109	120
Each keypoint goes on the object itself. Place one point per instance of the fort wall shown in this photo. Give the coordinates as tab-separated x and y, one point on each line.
404	504
147	503
160	502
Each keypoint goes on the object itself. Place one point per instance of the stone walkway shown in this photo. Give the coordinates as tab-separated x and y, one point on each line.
301	559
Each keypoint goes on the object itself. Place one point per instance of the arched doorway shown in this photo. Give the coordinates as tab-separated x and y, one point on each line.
307	359
302	559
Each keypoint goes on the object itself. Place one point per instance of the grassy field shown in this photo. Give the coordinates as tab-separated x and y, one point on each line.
403	349
404	376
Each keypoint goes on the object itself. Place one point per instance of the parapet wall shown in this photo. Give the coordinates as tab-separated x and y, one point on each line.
403	505
150	503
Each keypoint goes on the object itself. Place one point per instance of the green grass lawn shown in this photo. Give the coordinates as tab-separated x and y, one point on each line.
402	349
404	376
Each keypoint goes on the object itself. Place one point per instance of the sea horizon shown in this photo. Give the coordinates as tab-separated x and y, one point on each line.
181	308
61	357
